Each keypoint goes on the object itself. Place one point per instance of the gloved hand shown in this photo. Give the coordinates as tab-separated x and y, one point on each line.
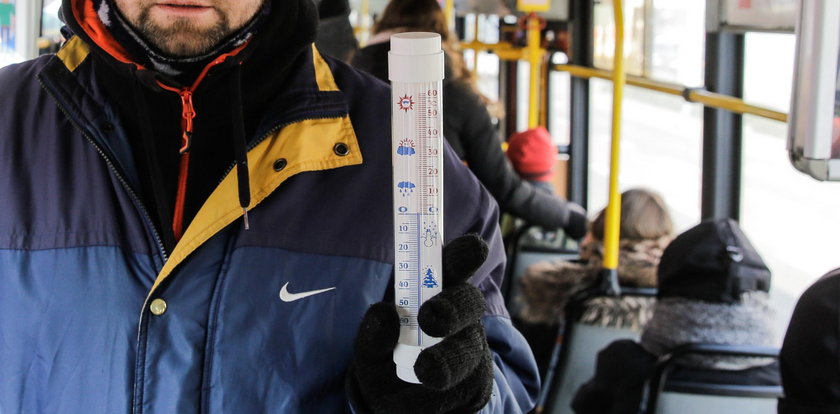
576	222
456	374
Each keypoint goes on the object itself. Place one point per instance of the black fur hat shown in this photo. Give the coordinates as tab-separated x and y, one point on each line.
713	261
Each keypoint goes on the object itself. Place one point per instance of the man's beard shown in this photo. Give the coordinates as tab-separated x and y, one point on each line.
181	38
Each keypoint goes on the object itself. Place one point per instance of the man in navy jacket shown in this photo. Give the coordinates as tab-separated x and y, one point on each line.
197	218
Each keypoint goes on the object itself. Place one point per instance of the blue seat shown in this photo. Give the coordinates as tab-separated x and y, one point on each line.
575	354
672	397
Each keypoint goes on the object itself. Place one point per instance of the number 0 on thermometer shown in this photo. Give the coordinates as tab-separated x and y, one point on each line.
415	68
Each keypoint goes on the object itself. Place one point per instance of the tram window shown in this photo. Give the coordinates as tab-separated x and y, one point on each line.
661	148
677	39
8	32
792	218
603	42
50	28
560	113
483	28
664	39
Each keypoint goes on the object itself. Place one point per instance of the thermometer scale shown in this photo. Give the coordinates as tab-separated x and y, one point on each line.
415	68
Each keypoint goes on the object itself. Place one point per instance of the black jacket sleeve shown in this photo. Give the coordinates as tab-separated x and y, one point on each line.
616	388
468	128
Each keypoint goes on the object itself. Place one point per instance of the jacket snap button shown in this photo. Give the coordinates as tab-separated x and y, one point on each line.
341	149
279	164
158	307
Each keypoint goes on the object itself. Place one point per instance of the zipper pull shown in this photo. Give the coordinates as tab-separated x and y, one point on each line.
187	114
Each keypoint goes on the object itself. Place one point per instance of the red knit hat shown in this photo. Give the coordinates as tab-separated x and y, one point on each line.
532	154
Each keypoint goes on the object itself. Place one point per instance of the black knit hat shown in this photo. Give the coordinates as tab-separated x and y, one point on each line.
712	261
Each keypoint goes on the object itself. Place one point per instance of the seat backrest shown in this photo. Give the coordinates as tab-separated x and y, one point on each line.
670	397
577	364
531	244
682	403
575	353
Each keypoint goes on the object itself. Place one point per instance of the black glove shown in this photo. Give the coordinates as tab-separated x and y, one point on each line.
456	374
576	222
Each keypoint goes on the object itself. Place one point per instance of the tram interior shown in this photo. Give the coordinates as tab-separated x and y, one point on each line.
790	217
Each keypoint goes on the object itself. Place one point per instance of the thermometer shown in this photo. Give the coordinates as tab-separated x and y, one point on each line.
415	68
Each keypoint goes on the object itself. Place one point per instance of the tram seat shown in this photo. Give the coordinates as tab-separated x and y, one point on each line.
528	244
578	353
683	397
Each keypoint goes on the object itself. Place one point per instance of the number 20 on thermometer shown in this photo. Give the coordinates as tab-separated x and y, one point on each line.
415	68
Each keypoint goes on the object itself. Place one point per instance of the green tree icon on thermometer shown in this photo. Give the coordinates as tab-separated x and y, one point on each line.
415	68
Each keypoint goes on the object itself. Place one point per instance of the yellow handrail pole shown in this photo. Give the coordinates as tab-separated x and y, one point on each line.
534	58
475	52
693	95
613	216
503	50
364	20
733	104
449	14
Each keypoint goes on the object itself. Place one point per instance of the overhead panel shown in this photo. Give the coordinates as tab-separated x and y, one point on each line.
761	15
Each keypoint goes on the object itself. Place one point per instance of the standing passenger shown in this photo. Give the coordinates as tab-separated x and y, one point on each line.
196	216
810	355
533	157
466	123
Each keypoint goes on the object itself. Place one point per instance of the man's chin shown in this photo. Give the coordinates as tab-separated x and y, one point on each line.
184	43
185	48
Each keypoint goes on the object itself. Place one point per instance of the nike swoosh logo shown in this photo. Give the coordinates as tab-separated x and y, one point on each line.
286	296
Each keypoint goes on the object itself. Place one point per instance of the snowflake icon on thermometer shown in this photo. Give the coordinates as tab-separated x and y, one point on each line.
406	103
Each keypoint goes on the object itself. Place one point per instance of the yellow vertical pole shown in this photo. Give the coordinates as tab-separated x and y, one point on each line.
534	59
613	217
474	68
365	17
449	14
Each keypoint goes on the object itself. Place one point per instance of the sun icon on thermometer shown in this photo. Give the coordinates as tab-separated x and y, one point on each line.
406	103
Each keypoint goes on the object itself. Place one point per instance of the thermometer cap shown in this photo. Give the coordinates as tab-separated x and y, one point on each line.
415	57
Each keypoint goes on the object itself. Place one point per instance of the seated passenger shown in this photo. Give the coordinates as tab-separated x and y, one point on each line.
645	230
467	126
810	356
713	289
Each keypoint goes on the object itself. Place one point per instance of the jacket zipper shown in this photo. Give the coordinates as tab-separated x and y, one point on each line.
187	115
127	187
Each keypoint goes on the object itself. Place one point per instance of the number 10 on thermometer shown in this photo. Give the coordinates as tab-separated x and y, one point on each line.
415	68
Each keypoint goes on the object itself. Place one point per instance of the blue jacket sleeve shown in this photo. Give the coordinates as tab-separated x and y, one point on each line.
517	383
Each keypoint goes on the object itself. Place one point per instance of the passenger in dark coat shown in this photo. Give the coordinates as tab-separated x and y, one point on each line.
335	34
810	356
712	289
466	123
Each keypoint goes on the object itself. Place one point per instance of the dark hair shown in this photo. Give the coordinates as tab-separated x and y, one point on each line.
427	16
643	216
414	16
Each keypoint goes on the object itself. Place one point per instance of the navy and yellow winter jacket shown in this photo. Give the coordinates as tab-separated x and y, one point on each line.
81	263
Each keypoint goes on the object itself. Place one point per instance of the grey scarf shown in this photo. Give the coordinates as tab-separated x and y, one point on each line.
678	321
